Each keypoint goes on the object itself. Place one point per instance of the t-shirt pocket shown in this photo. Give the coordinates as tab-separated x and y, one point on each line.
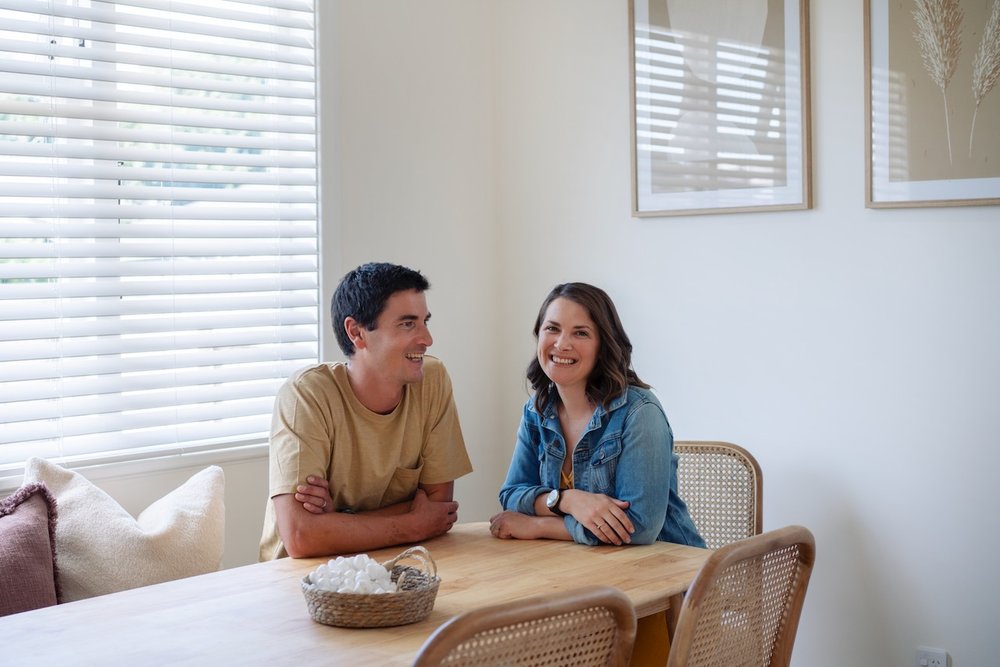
403	485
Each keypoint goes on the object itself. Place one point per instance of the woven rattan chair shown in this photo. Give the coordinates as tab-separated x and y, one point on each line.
588	626
743	608
721	484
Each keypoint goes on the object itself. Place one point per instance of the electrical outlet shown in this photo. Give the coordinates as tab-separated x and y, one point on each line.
931	657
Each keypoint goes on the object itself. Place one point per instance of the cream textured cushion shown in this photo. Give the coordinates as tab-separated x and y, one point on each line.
103	549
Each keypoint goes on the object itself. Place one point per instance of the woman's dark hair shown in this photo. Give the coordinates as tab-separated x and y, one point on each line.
363	293
612	373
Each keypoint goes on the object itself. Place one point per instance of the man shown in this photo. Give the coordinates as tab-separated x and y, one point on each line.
364	454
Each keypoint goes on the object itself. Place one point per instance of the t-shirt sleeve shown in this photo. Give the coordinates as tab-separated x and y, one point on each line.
301	436
444	455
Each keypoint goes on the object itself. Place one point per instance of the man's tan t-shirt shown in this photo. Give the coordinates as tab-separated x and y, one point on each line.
320	428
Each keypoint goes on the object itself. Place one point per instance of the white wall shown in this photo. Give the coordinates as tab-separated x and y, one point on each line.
854	352
409	176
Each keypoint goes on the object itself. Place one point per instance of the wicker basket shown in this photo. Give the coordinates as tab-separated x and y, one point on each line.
412	601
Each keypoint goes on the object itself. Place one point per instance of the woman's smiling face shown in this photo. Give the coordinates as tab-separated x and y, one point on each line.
568	343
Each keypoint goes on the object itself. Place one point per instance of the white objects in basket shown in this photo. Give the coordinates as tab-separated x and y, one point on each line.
355	574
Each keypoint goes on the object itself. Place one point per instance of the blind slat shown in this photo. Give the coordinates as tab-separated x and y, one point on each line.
53	86
187	48
27	309
232	11
68	426
179	247
173	22
28	330
165	287
174	397
156	212
183	229
164	175
136	192
22	132
178	378
148	78
117	445
47	269
128	113
192	141
76	366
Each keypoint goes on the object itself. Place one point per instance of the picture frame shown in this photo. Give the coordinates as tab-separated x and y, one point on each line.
720	106
933	122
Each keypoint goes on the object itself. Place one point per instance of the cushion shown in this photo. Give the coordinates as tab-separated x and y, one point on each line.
103	549
28	575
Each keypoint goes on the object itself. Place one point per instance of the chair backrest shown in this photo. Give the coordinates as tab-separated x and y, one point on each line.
594	625
721	483
743	608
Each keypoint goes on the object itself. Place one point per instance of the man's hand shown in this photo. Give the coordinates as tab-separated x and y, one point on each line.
315	495
513	526
431	517
603	515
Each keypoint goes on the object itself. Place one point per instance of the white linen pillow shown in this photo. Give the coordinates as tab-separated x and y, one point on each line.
103	549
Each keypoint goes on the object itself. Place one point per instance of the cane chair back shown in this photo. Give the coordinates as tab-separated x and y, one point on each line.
721	483
743	608
588	626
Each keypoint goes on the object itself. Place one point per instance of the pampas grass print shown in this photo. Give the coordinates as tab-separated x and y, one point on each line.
939	34
986	66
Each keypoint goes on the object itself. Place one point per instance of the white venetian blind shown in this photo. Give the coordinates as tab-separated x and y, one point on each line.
158	223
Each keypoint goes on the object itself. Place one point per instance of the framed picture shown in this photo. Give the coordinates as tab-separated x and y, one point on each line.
720	106
932	103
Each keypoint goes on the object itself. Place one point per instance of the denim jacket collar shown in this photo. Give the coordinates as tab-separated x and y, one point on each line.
550	417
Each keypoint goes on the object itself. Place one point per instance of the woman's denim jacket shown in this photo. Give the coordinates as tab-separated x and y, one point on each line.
626	452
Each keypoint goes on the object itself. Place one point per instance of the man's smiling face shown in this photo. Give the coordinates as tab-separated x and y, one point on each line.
395	348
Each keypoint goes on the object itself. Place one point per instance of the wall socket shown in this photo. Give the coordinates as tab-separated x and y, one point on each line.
931	657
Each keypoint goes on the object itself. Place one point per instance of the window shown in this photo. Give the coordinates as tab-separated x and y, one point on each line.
158	201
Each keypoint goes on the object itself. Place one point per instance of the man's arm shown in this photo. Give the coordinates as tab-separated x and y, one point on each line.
510	525
307	534
444	492
316	498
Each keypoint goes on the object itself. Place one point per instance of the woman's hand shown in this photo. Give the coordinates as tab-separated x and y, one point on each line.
315	495
603	515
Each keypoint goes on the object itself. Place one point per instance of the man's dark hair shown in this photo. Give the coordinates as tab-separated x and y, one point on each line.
363	292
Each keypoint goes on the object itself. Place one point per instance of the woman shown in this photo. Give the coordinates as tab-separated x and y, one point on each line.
594	459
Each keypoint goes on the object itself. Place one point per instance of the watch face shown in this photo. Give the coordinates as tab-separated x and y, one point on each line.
552	498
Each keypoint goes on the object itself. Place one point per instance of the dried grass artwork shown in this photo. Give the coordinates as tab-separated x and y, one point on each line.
926	59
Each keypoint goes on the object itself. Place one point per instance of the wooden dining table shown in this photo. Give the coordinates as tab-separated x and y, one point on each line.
256	614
